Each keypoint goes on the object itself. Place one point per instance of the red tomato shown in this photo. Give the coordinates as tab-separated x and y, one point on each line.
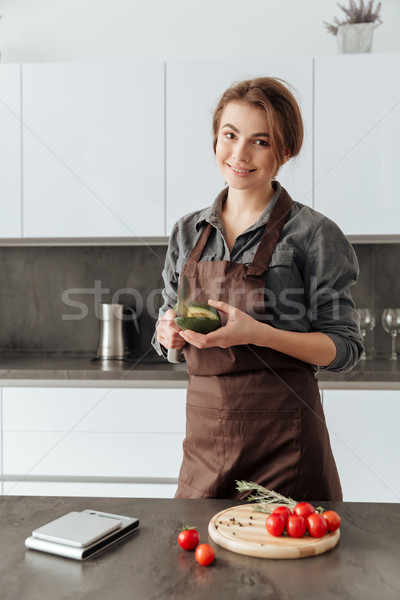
303	509
275	524
204	554
316	525
296	526
188	539
332	519
283	510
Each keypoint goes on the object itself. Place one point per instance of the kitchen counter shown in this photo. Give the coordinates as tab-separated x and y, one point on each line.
149	565
18	369
83	371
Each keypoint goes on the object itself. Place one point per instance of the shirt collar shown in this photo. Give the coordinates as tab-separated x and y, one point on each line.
213	214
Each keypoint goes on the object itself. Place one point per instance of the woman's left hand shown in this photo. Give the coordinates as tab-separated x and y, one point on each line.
239	329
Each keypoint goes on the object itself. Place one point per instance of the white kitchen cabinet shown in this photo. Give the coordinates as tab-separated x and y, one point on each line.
193	89
94	454
10	151
93	149
357	128
82	440
73	488
363	428
85	409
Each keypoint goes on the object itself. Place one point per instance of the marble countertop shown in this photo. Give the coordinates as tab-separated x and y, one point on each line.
82	370
149	565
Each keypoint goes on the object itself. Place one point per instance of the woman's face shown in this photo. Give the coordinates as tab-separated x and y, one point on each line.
243	152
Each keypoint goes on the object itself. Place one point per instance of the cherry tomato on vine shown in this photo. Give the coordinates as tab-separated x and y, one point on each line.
275	523
316	525
188	538
332	519
204	554
282	510
303	509
296	526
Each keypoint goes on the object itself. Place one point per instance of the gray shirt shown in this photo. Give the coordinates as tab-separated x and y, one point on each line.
308	281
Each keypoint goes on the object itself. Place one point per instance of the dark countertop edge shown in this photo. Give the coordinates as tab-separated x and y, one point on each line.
90	383
157	240
359	385
30	369
162	380
162	240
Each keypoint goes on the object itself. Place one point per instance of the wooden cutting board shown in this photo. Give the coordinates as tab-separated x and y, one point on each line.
242	530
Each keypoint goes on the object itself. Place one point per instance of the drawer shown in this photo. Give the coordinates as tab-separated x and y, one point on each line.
92	454
93	490
94	409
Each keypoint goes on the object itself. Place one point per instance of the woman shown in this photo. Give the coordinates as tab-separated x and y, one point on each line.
279	273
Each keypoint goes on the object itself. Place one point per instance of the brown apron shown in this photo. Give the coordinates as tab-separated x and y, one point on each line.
252	413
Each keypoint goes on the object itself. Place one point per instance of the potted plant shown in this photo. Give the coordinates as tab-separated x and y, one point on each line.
354	32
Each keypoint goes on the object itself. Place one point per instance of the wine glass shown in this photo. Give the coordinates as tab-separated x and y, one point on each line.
367	323
391	324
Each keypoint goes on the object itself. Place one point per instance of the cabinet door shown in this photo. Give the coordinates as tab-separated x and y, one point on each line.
10	151
121	437
357	128
363	428
193	89
93	454
142	410
93	149
74	488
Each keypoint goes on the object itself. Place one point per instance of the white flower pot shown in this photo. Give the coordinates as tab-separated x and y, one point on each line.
355	38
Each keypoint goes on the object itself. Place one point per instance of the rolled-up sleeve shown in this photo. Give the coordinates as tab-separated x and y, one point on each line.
330	269
171	281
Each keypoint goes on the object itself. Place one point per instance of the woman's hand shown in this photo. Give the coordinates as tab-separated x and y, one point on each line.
168	331
239	329
313	347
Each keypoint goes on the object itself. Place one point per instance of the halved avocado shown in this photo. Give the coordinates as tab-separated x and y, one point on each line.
201	318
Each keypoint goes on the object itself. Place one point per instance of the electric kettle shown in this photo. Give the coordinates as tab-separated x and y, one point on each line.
118	327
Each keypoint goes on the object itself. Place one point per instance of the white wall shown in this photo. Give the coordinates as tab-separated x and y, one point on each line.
77	30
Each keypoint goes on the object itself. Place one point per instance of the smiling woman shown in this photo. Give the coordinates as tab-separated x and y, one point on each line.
279	274
282	117
240	153
247	162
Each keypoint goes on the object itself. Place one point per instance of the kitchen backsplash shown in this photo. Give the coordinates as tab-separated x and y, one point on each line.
49	295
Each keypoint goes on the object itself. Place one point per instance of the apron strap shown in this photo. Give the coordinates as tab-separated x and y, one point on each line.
197	251
272	232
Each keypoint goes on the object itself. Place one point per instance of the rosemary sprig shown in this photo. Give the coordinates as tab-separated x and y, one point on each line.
263	496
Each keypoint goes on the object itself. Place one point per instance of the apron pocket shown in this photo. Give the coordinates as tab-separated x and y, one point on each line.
264	447
224	446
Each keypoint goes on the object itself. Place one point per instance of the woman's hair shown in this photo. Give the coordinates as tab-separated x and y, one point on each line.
274	98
